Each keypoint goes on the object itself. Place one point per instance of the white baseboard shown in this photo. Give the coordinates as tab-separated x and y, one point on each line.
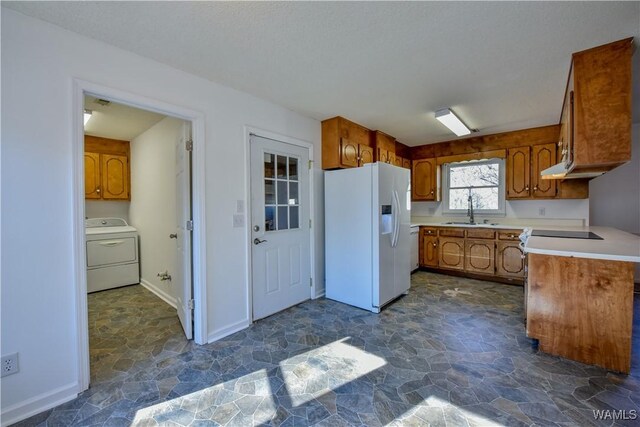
159	292
39	403
228	330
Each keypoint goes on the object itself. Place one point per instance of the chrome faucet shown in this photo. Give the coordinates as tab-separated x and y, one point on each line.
470	210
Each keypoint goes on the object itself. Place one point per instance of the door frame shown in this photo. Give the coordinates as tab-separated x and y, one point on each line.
248	131
198	255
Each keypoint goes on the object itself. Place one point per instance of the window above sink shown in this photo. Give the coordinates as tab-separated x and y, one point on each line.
483	180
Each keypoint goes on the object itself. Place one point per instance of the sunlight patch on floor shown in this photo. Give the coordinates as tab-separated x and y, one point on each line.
329	367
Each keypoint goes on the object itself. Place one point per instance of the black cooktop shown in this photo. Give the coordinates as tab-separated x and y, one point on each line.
566	234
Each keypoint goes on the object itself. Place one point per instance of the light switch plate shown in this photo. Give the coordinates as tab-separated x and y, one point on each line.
238	220
542	211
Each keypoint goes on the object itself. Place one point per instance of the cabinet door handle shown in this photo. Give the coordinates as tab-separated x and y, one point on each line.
535	188
526	188
432	191
98	190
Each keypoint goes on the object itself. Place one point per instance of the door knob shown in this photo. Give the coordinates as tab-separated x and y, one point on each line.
257	241
173	236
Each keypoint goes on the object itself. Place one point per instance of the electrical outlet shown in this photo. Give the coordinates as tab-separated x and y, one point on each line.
10	364
542	211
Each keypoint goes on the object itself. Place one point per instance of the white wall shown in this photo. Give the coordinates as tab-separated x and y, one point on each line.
106	208
153	202
615	196
39	62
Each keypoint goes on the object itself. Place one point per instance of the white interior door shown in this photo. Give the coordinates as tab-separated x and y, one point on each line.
183	282
280	241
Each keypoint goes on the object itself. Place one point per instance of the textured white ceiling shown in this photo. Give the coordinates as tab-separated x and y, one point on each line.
387	65
117	121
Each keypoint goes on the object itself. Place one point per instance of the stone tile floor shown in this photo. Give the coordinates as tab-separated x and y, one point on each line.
453	352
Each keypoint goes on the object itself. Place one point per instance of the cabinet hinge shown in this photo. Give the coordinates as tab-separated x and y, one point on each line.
310	282
188	145
191	304
189	225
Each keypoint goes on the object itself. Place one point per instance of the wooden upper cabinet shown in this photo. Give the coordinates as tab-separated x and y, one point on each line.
345	144
480	256
115	177
385	146
406	163
509	260
518	172
397	161
601	83
365	154
542	157
451	253
424	180
92	176
106	169
348	153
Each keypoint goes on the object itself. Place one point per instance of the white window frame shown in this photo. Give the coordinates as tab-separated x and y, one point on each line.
501	211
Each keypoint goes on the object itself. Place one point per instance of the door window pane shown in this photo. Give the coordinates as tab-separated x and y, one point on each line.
282	192
269	165
293	217
282	167
293	193
283	217
269	192
293	169
269	218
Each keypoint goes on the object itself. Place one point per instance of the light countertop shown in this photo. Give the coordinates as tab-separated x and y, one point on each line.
616	245
444	224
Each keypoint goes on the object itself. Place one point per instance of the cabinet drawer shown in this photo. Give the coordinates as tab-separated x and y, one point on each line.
111	251
451	232
481	234
509	234
428	231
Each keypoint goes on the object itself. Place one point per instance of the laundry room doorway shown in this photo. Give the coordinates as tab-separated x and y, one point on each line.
139	231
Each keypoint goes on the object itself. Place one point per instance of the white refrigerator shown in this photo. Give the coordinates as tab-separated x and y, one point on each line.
367	245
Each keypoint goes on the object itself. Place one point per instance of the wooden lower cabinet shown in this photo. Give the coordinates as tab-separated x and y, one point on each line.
451	253
480	256
477	251
509	260
428	250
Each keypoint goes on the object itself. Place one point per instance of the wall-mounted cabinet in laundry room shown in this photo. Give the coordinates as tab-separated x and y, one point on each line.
106	169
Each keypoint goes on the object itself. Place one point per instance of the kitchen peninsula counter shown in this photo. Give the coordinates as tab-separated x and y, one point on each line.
580	295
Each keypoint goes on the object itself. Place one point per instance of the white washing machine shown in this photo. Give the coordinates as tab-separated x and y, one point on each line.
112	254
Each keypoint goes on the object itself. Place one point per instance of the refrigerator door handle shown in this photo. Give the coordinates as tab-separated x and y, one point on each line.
396	218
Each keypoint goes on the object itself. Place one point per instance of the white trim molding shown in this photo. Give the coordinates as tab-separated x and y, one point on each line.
39	403
197	119
159	292
228	330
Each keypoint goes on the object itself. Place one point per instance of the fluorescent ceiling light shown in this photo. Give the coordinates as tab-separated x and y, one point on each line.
450	120
87	116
